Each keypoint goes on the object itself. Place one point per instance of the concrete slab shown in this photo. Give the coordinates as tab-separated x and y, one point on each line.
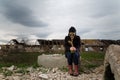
51	61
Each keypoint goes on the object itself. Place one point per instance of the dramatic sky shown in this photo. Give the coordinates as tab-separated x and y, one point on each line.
51	19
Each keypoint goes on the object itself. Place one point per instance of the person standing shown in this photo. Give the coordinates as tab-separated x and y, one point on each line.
72	51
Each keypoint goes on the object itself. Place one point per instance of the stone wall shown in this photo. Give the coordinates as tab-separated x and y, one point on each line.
112	63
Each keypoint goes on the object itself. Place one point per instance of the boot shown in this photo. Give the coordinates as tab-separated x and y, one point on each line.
76	73
70	67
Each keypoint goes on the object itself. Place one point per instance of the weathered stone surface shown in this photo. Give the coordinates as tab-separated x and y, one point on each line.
11	68
51	61
112	63
30	69
43	76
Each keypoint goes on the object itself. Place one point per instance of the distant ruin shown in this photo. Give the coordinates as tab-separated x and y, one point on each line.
55	45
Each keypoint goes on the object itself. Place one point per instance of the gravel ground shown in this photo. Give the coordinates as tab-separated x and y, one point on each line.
14	73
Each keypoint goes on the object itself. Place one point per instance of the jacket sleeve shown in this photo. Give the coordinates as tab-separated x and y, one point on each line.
66	44
78	45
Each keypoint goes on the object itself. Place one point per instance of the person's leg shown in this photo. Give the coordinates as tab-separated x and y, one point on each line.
70	60
76	62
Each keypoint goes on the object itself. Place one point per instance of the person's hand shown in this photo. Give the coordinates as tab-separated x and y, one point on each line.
72	49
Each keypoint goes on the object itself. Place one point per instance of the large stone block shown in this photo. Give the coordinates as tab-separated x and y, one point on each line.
112	63
51	61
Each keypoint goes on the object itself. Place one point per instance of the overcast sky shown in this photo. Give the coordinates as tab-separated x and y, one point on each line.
51	19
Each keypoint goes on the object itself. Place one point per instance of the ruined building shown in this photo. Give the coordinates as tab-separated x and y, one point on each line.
56	45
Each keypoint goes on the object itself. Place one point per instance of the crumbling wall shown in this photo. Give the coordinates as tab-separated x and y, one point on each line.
112	63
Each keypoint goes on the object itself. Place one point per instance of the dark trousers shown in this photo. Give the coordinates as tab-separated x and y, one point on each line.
73	58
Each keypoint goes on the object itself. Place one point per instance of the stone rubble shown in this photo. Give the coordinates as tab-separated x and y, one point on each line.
11	68
41	73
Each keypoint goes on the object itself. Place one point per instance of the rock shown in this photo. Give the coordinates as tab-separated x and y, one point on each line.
43	76
111	63
52	61
30	69
16	78
54	70
11	68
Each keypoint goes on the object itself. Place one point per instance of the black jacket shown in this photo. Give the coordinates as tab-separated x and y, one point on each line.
76	43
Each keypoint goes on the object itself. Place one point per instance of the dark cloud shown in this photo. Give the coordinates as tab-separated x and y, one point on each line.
42	35
18	13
